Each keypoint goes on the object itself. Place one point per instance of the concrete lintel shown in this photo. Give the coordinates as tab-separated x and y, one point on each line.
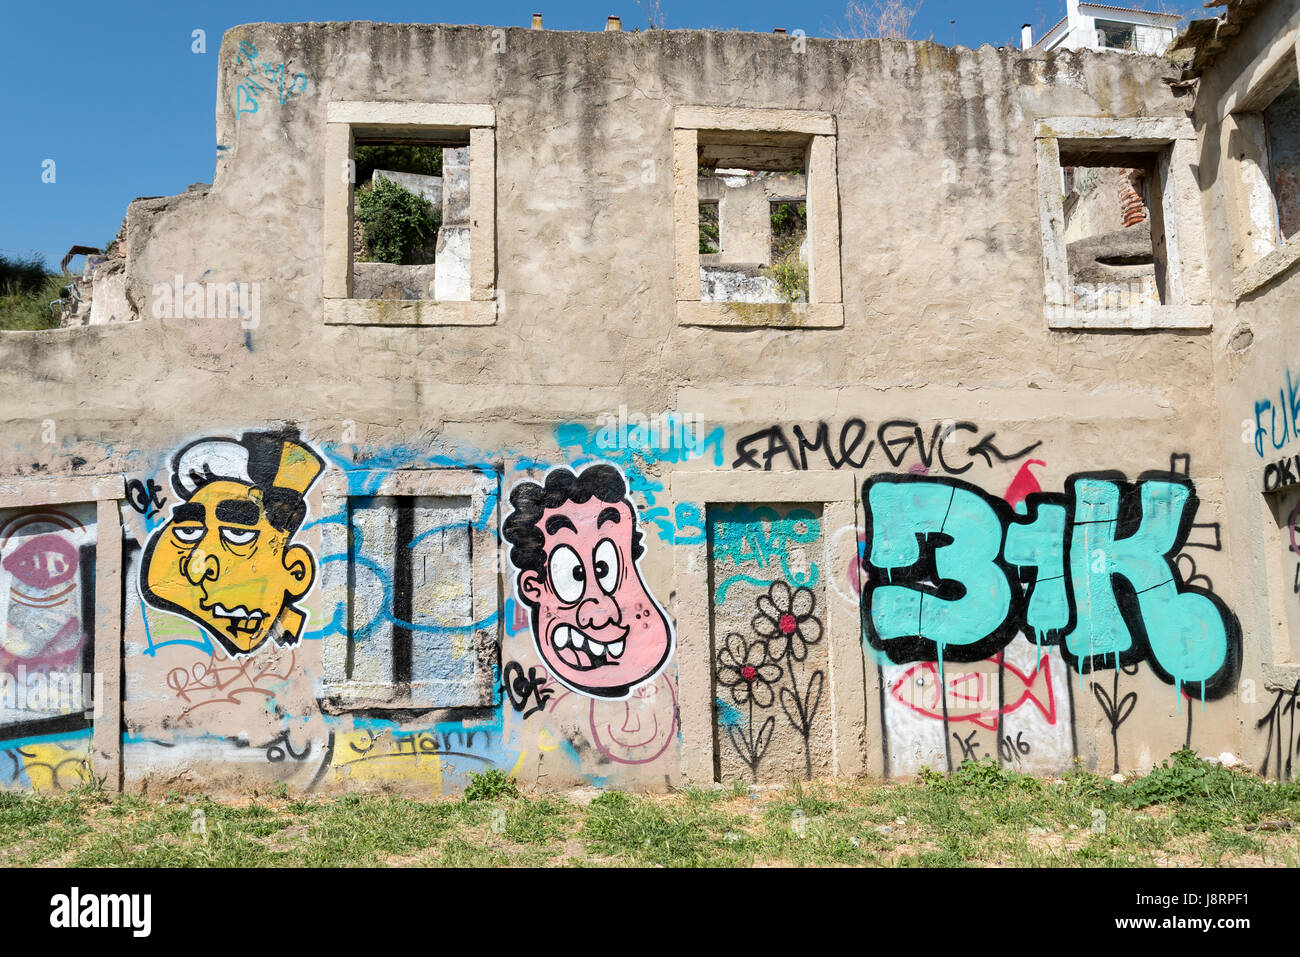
62	491
1154	129
811	122
409	312
1281	677
380	113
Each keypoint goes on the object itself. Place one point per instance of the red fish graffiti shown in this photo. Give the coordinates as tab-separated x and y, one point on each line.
44	562
972	691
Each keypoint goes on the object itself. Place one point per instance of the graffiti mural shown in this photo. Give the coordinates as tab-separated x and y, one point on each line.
576	545
946	562
770	659
1283	743
262	78
947	448
47	596
976	604
225	559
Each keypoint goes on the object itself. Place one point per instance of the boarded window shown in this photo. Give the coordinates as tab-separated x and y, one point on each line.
47	613
415	603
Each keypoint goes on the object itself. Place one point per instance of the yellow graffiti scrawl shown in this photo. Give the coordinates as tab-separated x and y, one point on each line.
226	557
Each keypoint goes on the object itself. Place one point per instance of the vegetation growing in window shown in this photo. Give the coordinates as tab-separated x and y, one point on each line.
789	227
791	276
396	223
710	241
788	269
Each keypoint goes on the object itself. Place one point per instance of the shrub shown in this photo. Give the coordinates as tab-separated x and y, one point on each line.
791	276
489	785
709	235
395	222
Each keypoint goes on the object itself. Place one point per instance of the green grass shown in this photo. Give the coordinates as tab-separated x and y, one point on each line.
29	308
26	290
1185	813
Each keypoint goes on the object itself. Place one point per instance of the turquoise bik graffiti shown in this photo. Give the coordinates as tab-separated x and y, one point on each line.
954	574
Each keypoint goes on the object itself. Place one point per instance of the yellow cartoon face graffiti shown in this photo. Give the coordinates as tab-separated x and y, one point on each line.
226	558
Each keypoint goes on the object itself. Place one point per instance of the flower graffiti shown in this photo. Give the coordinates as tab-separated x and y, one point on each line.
746	668
785	620
784	628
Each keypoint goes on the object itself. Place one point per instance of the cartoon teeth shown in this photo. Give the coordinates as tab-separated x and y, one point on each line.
240	612
571	641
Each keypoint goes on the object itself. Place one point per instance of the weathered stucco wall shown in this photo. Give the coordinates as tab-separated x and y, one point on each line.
1257	377
821	512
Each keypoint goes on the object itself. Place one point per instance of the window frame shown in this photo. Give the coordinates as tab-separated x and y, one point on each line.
825	306
343	120
483	490
1172	143
846	678
1252	203
106	493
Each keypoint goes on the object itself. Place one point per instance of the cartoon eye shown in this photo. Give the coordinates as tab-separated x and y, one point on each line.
567	574
188	534
606	564
237	536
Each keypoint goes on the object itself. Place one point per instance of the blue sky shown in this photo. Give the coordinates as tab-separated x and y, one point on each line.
114	95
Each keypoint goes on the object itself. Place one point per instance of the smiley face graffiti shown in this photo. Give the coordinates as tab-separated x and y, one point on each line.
576	545
225	559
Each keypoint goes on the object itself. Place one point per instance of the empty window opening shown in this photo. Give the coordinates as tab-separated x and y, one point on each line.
760	193
1116	36
1114	231
410	202
1282	128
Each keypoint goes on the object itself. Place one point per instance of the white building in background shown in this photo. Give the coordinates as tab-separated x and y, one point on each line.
1099	26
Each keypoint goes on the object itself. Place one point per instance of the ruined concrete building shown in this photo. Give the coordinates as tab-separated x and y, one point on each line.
579	497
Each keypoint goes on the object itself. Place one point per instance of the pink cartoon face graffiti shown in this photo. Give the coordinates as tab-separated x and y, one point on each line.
576	545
